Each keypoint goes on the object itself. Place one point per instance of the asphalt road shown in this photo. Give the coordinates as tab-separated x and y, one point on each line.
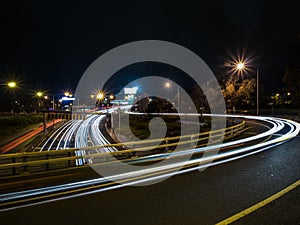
204	197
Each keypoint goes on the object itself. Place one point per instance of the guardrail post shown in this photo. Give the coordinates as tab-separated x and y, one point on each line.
14	168
191	140
44	124
69	161
24	160
47	164
167	147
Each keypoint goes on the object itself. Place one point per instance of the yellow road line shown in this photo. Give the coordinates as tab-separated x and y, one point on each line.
259	205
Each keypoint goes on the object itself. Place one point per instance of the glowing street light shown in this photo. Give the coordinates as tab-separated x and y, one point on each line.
46	97
39	94
12	84
240	66
168	85
100	95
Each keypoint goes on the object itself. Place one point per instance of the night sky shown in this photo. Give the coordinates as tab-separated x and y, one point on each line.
50	44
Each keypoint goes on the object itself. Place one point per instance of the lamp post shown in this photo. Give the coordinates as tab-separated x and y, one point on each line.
168	85
10	85
39	94
240	67
100	96
53	102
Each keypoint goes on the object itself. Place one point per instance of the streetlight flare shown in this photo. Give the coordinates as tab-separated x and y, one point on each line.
100	95
240	66
167	84
39	94
11	84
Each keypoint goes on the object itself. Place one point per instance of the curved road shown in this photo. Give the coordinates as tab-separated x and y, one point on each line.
204	197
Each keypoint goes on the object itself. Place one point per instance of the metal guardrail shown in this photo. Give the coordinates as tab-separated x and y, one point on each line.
65	116
34	162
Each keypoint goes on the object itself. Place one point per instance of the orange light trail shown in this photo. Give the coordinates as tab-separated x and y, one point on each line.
25	137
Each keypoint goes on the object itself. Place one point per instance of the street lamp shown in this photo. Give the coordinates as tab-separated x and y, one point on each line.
39	94
168	85
12	84
53	102
111	97
240	67
100	96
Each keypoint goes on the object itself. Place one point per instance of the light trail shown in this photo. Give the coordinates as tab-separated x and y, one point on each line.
289	129
97	137
64	133
71	134
81	139
53	136
79	131
27	136
82	132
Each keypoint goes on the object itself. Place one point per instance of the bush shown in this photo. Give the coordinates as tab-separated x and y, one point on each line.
10	125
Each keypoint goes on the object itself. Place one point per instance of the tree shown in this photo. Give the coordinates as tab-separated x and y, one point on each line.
199	98
292	81
237	93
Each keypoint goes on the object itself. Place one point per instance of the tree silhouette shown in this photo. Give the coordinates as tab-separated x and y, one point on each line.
292	81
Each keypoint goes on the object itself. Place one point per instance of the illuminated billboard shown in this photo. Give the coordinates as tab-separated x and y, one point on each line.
67	99
130	91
